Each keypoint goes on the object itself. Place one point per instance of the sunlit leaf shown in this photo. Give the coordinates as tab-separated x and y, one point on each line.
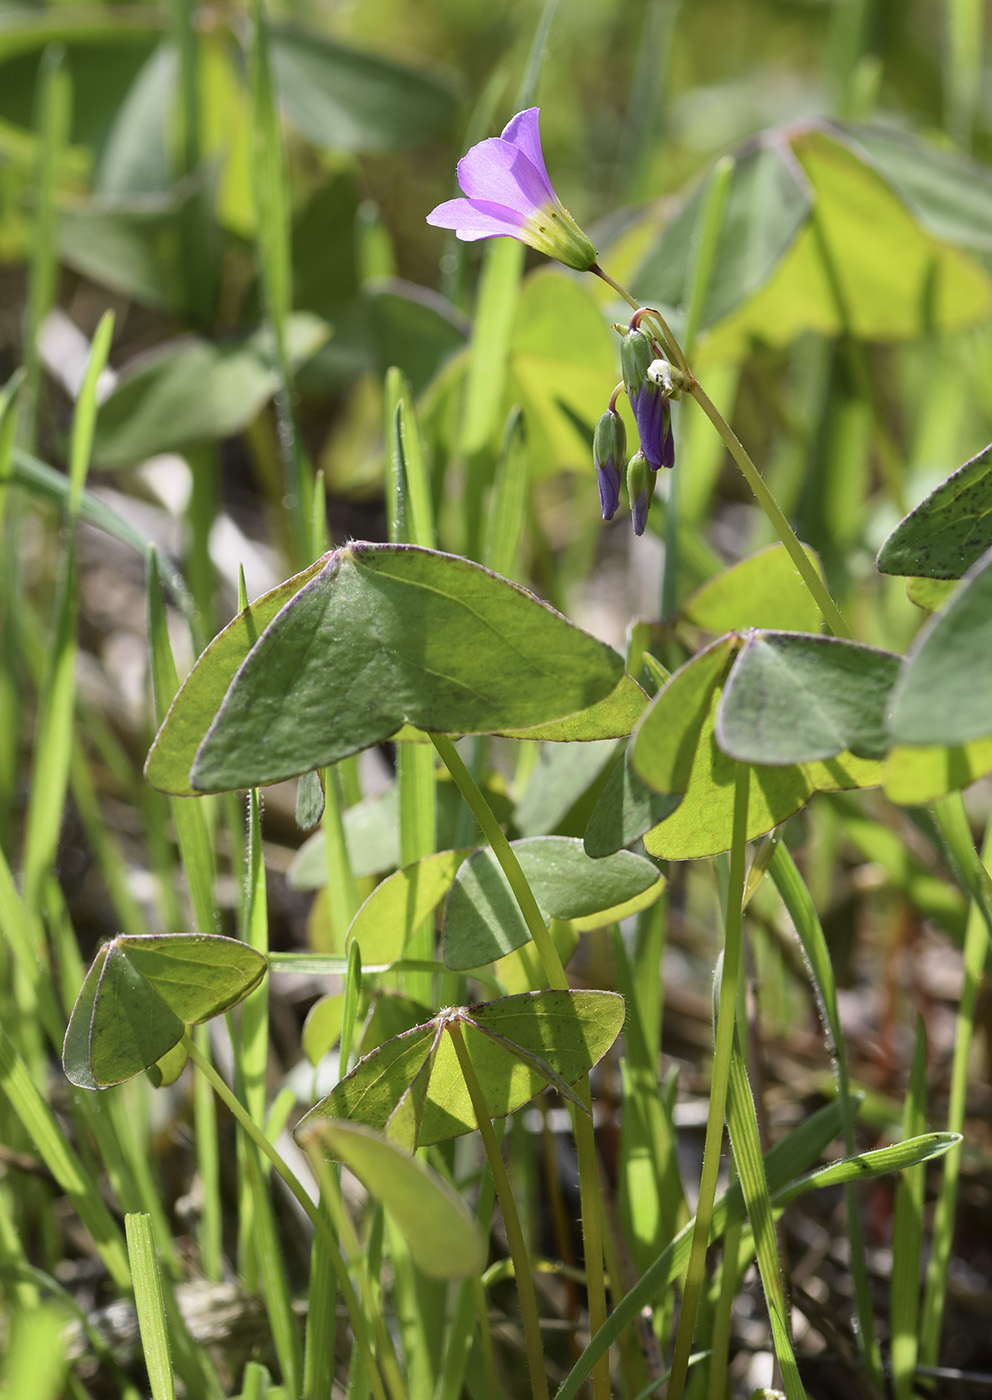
568	1031
171	756
764	590
141	992
381	635
400	904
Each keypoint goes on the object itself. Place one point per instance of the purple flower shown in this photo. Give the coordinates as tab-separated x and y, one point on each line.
508	192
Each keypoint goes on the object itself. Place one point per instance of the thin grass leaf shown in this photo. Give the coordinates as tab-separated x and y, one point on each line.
744	1135
65	1166
935	1293
799	904
150	1306
907	1234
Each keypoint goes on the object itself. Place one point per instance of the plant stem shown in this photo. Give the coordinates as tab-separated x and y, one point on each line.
254	1132
954	825
509	864
805	566
832	615
511	1220
582	1125
726	1020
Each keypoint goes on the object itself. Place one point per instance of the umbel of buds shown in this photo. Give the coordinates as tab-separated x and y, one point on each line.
651	384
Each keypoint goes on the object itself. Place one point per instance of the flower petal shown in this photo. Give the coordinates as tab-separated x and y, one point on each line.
524	132
496	171
478	218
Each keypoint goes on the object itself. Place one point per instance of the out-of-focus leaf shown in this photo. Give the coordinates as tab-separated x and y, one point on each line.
764	590
767	203
347	100
562	775
563	366
128	246
776	275
950	194
441	1233
371	833
191	391
104	52
135	156
949	530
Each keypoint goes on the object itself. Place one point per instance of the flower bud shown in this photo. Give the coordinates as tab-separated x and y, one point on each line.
609	452
648	380
640	488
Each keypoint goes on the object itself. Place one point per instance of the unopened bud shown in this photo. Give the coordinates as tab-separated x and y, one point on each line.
609	451
640	488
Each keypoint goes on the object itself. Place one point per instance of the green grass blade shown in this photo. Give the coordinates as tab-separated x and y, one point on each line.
150	1306
799	905
935	1293
508	506
272	225
744	1136
783	1163
54	104
907	1235
56	704
63	1163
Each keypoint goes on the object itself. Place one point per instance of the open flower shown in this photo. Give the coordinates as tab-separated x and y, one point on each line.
508	192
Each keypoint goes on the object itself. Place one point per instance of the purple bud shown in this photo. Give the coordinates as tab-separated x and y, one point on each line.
609	452
648	380
640	488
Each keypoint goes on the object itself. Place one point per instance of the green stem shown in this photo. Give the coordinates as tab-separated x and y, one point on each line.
951	817
511	1220
314	1216
726	1021
807	569
509	864
582	1126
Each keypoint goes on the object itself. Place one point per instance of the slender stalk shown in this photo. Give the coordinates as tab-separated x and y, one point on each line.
726	1021
298	1192
807	570
975	952
582	1126
509	864
511	1220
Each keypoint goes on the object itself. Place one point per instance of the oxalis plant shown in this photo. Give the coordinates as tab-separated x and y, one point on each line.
399	642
